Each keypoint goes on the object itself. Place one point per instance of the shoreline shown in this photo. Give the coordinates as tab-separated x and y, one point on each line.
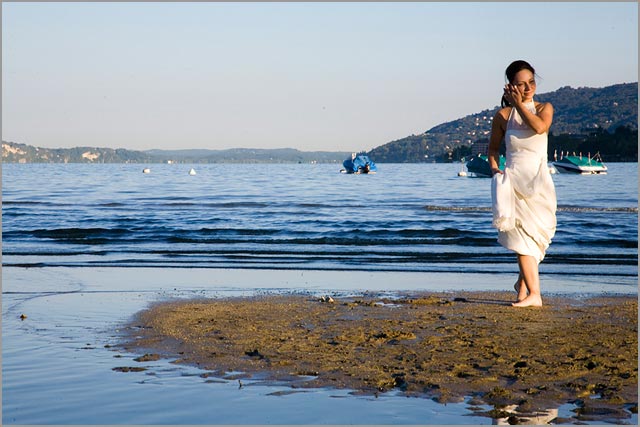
75	323
431	345
244	279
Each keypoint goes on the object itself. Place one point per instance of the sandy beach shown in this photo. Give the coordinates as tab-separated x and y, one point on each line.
67	353
440	346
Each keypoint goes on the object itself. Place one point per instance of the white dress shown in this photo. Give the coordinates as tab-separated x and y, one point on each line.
524	197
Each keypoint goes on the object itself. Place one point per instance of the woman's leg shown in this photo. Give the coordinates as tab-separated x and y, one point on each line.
521	288
529	271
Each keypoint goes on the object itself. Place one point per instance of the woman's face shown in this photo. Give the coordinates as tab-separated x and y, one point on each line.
525	81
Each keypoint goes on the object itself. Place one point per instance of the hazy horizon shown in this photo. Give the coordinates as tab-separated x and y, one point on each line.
310	76
188	148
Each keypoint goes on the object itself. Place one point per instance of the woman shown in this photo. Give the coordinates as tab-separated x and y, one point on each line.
523	196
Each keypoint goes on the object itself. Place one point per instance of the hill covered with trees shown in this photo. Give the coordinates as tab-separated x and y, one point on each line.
13	152
585	119
21	153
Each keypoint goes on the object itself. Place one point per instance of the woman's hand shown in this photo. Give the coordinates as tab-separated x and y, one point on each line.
495	171
513	94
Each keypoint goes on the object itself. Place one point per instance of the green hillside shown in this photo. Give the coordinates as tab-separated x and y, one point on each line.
21	153
13	152
583	115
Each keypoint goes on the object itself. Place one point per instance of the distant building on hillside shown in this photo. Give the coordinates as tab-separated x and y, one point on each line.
480	147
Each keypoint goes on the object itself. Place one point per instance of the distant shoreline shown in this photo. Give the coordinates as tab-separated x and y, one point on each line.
26	154
253	163
603	120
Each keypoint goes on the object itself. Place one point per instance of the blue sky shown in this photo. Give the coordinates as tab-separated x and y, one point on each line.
312	76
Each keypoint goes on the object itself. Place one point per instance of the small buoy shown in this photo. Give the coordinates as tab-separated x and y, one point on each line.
192	171
23	316
146	170
462	173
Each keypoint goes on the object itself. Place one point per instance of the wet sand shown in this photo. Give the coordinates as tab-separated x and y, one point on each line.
435	345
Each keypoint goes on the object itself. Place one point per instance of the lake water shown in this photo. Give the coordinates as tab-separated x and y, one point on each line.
414	217
85	247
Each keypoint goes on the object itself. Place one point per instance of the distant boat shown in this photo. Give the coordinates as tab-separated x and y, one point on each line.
479	166
146	170
192	171
359	163
581	165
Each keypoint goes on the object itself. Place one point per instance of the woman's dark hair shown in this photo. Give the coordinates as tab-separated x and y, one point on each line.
514	68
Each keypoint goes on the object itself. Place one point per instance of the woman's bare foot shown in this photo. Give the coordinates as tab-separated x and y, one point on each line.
530	301
521	290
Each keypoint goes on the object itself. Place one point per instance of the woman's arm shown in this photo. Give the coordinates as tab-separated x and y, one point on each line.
540	122
498	129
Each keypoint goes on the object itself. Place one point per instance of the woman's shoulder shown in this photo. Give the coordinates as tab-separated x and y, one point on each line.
503	113
542	106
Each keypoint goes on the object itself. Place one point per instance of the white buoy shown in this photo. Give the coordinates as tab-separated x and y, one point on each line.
146	170
462	171
192	171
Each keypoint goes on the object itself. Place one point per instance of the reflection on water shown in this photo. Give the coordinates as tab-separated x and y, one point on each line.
513	417
57	364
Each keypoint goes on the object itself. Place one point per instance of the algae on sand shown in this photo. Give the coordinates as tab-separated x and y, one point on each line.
430	345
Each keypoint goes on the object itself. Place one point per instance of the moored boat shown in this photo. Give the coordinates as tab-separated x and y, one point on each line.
584	165
359	163
479	167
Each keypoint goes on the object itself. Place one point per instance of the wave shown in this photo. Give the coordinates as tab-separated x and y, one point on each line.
569	208
561	208
157	232
294	207
488	263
